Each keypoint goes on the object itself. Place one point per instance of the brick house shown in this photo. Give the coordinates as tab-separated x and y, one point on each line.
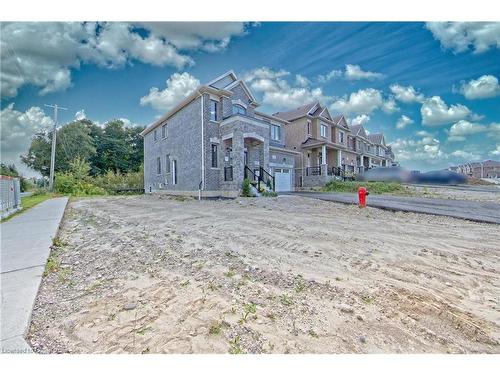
212	140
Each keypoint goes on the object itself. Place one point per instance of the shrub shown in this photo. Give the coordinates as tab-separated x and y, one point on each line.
245	188
372	187
267	193
112	181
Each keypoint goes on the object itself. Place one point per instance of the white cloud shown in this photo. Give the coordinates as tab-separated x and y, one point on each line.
333	74
364	101
462	128
407	94
351	72
427	149
17	129
403	122
178	86
436	112
302	81
462	36
495	151
80	115
484	87
461	154
43	54
360	120
277	92
354	72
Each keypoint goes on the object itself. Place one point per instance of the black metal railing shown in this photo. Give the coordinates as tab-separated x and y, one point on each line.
228	173
313	171
248	173
267	178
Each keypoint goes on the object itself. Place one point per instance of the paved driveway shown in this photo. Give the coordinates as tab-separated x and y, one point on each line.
25	247
485	212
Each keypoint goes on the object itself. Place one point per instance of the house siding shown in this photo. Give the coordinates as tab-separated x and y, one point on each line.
183	143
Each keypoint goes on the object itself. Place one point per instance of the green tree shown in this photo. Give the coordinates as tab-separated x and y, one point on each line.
38	155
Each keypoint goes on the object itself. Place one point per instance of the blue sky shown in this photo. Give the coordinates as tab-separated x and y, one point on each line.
431	88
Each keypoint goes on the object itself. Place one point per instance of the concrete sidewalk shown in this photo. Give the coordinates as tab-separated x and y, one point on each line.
25	247
482	212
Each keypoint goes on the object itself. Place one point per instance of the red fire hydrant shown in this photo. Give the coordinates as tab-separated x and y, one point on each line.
362	194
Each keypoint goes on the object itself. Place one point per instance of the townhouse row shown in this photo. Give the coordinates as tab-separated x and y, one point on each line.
216	137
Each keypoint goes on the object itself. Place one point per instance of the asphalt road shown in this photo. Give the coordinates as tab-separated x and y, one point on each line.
484	212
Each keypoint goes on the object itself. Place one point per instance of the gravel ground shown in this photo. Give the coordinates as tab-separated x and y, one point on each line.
150	274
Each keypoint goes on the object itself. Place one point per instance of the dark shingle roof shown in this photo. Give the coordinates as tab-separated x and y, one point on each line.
295	113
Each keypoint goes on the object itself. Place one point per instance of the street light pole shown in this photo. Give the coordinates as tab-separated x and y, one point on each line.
53	152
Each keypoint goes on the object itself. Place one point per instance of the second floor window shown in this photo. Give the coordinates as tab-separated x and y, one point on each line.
213	110
155	135
341	137
158	165
164	131
275	133
239	110
309	127
323	130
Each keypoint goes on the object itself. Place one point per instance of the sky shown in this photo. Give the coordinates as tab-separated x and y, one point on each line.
431	88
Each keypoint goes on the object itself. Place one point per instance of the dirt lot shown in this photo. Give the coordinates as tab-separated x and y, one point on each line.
266	275
475	193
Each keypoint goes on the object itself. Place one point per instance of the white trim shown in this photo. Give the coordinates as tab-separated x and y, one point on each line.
227	136
313	107
245	88
214	140
202	147
230	72
279	165
239	102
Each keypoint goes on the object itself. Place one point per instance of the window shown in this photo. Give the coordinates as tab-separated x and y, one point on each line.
167	163
174	172
158	165
164	131
214	156
323	130
239	110
155	135
341	137
308	127
213	110
275	132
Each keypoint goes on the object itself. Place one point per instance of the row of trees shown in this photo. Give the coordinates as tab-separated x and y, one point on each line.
114	147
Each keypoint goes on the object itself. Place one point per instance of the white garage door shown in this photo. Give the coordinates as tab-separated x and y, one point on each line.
283	180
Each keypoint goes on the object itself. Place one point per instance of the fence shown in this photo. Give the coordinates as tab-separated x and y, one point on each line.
10	194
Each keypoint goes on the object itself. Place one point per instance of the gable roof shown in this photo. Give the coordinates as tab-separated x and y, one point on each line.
377	138
231	83
245	88
297	112
359	130
229	73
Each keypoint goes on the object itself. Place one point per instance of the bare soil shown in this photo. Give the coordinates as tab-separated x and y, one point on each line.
150	274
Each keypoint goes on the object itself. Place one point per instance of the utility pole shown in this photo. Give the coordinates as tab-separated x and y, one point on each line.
53	153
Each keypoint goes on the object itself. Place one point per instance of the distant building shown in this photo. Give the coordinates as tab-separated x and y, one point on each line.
479	169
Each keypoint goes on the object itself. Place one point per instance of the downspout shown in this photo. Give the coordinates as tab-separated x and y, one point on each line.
202	146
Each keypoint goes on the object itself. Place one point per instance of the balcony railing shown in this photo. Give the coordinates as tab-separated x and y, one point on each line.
313	171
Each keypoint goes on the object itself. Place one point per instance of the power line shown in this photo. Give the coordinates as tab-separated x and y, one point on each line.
53	153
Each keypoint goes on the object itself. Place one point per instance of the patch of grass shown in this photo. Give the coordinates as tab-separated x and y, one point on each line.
286	300
367	299
29	202
372	187
93	286
212	286
268	194
53	265
248	308
235	346
58	242
111	316
313	334
184	283
215	328
299	284
142	330
229	273
63	276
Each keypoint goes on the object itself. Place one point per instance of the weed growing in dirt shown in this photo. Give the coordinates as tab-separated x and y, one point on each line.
286	300
111	316
215	328
93	286
212	286
142	330
367	299
299	284
313	334
64	275
248	308
53	265
58	242
229	273
235	346
184	283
